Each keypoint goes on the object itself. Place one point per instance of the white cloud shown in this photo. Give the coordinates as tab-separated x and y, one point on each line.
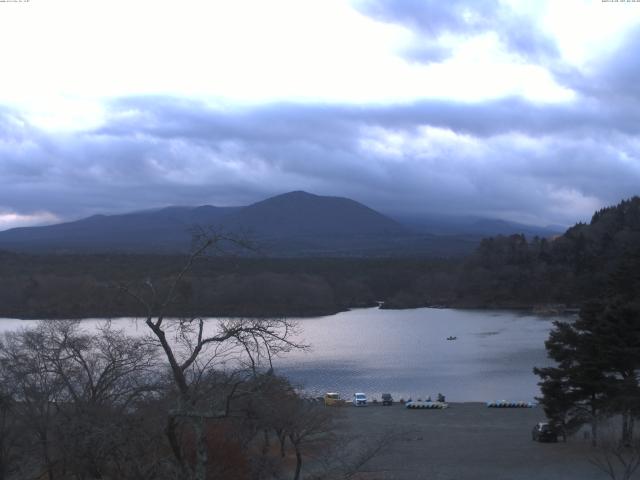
12	219
588	30
66	57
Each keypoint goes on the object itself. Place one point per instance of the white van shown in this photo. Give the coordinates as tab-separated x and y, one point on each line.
359	400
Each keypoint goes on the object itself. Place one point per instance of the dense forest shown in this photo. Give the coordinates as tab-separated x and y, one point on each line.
569	269
504	272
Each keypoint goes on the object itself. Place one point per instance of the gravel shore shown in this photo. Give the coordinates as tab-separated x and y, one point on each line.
467	441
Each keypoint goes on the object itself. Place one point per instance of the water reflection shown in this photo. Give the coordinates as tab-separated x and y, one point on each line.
406	352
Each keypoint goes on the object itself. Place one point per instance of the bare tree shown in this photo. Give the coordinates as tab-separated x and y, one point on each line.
74	392
618	460
36	393
192	346
9	433
308	424
105	367
103	374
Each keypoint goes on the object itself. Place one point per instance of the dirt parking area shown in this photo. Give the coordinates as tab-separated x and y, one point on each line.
467	441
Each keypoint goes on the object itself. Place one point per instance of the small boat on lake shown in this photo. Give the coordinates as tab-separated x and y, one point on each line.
452	338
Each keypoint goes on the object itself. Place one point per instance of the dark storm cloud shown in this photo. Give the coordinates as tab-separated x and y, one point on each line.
507	158
510	158
430	19
338	124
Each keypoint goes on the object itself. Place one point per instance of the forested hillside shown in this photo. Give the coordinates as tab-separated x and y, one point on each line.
54	286
504	272
511	271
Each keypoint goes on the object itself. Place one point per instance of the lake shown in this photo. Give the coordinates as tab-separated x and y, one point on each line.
406	353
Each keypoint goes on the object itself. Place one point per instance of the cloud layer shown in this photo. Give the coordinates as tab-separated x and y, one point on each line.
508	157
433	19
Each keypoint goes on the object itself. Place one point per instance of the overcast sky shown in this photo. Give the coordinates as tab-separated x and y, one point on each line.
528	111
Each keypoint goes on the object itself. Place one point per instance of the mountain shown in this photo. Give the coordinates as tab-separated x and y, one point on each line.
293	224
303	214
290	224
474	225
158	230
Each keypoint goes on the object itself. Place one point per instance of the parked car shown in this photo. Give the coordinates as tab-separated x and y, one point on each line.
387	399
359	400
544	432
332	399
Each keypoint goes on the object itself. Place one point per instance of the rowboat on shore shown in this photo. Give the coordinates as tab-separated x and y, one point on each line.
506	404
426	405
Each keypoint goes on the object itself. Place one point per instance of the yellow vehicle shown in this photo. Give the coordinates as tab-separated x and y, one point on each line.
332	399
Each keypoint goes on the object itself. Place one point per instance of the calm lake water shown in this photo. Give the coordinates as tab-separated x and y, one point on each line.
406	353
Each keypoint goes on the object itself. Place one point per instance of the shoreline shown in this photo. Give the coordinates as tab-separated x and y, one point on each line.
538	310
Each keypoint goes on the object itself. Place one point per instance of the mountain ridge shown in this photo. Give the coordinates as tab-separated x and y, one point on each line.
294	223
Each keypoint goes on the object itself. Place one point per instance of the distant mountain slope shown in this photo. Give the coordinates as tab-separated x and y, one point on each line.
165	229
292	224
473	225
289	224
303	214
